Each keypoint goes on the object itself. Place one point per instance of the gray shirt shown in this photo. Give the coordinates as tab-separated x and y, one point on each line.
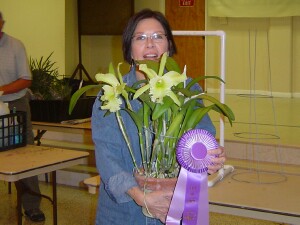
13	65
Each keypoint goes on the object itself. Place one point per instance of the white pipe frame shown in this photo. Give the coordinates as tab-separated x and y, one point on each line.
227	168
222	36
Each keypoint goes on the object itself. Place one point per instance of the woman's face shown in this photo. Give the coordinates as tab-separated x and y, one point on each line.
149	40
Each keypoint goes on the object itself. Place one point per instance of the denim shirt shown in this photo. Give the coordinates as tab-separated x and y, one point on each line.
115	165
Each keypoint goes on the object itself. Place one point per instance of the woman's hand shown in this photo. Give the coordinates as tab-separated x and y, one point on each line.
218	160
156	202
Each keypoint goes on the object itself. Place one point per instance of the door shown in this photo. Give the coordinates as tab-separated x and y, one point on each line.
188	15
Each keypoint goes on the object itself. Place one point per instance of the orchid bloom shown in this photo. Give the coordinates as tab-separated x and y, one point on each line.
160	84
111	99
112	90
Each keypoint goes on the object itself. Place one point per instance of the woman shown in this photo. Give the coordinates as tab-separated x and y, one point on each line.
146	36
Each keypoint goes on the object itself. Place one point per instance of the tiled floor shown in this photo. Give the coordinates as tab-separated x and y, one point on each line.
77	207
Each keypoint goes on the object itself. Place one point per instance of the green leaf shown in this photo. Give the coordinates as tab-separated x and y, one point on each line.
229	114
190	109
224	109
196	80
197	116
186	92
150	64
78	93
172	65
137	120
160	109
175	125
111	69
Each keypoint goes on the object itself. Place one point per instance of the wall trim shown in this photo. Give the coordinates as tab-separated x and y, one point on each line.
257	92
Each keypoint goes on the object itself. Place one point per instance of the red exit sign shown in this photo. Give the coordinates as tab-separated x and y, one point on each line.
186	2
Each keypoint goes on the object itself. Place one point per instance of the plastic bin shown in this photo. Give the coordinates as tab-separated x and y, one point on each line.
12	130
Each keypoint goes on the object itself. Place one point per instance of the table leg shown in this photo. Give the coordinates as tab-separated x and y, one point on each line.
39	135
19	205
54	197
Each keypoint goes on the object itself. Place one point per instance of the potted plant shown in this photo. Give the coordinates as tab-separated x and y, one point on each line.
51	93
170	107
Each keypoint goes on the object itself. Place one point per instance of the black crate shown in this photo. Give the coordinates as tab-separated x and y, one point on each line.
12	131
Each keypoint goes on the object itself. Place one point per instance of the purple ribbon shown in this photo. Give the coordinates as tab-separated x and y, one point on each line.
190	198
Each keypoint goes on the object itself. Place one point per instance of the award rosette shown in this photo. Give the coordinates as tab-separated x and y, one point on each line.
190	198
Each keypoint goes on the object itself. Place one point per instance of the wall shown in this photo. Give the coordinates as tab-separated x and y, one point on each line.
71	37
296	56
51	26
261	55
40	25
99	51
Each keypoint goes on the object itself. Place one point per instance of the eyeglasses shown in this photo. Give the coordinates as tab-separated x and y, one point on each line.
155	37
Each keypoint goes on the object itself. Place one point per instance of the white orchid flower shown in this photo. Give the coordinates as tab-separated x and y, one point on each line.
111	99
160	85
112	91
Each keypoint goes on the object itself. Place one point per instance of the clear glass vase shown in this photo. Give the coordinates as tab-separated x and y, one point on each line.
159	156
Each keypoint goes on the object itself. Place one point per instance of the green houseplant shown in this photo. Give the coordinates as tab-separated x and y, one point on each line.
46	81
51	93
169	108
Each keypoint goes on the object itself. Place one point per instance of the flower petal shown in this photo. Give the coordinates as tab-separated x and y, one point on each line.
141	91
174	98
113	105
149	72
175	78
108	78
162	64
111	99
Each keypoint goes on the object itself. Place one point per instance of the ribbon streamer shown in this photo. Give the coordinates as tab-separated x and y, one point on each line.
190	198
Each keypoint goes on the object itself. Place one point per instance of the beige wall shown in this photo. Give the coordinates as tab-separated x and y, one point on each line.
71	37
296	57
99	51
51	26
261	55
40	25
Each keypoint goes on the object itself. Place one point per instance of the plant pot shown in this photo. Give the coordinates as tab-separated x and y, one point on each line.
149	184
155	184
56	111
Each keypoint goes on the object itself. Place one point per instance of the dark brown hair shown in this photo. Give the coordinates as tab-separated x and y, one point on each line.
132	24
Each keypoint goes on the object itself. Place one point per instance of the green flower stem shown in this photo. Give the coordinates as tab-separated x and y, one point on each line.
147	133
123	130
141	140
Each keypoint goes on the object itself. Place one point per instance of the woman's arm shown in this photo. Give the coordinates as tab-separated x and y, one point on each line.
112	159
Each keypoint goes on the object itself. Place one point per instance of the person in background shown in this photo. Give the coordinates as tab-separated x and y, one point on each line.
15	78
146	36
